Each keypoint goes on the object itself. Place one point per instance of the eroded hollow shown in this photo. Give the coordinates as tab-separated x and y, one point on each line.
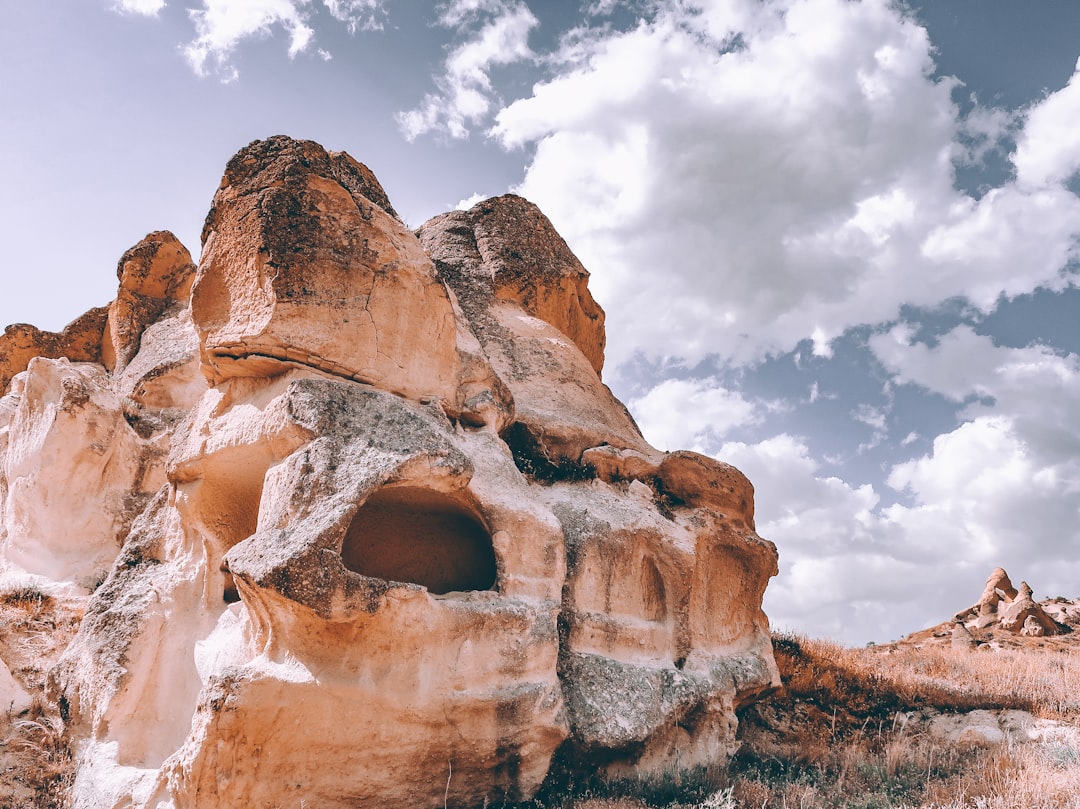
422	537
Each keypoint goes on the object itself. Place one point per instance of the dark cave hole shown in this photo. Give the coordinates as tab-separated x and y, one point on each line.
231	594
532	459
421	537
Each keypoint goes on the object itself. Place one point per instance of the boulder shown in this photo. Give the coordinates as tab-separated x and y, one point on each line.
961	637
154	275
387	538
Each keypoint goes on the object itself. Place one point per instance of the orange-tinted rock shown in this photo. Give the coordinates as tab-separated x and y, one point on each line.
80	341
405	544
154	275
301	268
1024	616
532	266
518	288
703	482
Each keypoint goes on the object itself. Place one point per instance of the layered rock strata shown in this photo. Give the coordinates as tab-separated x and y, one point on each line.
370	525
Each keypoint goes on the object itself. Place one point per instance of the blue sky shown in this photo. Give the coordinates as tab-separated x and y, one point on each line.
836	240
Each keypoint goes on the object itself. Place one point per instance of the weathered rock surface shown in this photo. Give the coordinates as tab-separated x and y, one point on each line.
154	275
375	530
1004	607
1004	615
73	472
80	341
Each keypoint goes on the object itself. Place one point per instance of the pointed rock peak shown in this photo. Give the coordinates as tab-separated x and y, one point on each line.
154	274
281	160
998	587
159	266
507	244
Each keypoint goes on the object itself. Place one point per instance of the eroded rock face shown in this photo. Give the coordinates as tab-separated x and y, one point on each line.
1007	608
154	275
391	538
80	341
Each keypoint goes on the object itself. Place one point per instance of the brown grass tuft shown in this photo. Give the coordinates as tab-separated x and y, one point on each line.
35	762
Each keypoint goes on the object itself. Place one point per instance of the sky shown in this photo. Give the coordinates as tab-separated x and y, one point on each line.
837	241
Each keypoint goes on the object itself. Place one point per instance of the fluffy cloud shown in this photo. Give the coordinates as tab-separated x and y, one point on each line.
774	172
221	25
838	558
690	414
858	572
465	94
1048	152
1003	488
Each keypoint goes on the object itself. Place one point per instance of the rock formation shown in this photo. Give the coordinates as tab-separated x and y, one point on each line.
371	528
1002	606
1004	616
961	636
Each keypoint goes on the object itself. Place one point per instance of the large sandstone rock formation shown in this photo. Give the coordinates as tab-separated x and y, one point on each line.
374	530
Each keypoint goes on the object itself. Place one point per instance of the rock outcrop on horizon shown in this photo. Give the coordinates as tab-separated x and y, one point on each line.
1004	616
1003	606
356	521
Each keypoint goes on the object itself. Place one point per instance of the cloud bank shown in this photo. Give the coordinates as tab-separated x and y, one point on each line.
781	171
756	181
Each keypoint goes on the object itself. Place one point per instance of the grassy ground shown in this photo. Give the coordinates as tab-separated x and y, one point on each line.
831	738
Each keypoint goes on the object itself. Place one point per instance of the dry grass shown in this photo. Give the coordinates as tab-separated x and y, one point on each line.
35	762
831	739
1044	682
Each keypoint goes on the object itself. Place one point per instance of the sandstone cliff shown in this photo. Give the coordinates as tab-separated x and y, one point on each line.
356	521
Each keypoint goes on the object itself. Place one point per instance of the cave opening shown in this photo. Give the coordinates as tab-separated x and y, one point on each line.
420	536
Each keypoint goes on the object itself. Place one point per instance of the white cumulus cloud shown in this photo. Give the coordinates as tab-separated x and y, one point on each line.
690	414
741	176
1002	488
1048	152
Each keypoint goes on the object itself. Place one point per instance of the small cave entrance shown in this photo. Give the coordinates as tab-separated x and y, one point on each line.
421	537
